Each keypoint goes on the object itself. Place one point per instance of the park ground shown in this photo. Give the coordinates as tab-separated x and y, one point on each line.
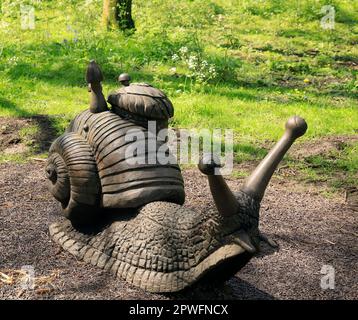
313	233
243	65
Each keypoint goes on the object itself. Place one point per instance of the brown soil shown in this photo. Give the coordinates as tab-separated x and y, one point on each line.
11	141
322	146
9	134
311	230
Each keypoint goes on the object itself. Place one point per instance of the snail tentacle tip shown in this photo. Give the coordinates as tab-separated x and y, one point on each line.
94	72
297	126
208	163
124	79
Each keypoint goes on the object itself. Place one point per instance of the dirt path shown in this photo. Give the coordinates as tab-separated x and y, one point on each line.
312	231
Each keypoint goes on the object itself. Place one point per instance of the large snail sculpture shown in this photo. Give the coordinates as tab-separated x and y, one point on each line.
129	218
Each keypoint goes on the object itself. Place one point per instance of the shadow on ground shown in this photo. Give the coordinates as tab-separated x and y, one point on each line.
16	134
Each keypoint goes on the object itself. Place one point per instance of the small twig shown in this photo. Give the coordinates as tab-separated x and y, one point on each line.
5	278
330	242
43	290
38	159
282	167
20	293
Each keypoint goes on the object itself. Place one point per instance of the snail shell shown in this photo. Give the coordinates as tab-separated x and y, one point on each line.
73	178
125	184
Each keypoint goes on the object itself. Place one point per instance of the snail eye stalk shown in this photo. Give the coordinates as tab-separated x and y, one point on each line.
94	77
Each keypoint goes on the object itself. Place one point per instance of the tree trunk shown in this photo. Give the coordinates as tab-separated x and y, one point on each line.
118	14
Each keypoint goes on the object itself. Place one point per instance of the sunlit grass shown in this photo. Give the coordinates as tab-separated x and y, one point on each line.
272	58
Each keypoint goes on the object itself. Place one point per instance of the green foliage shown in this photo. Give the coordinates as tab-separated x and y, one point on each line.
338	168
28	134
271	59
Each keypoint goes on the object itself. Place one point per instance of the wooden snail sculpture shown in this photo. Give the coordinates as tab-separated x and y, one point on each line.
149	238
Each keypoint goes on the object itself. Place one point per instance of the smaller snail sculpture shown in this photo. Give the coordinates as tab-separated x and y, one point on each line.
130	219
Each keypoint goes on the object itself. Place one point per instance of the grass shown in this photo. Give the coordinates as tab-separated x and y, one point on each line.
17	157
271	58
28	134
339	168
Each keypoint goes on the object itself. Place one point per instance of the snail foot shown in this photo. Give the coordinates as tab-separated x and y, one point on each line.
243	239
272	243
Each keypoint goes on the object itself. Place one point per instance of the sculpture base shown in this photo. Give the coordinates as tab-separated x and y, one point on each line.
161	262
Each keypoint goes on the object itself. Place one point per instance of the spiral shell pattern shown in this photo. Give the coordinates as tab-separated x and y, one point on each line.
73	178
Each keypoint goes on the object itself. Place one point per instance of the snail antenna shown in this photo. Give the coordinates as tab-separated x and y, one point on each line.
225	200
257	182
94	77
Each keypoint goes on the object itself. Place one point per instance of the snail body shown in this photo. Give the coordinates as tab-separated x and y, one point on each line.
150	238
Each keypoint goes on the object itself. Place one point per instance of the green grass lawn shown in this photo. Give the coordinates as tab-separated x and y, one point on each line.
257	62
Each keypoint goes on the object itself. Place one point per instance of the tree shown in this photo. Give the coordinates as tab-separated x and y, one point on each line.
118	14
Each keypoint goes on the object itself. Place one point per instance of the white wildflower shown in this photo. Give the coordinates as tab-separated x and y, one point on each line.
175	57
183	51
212	71
192	62
13	60
204	64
